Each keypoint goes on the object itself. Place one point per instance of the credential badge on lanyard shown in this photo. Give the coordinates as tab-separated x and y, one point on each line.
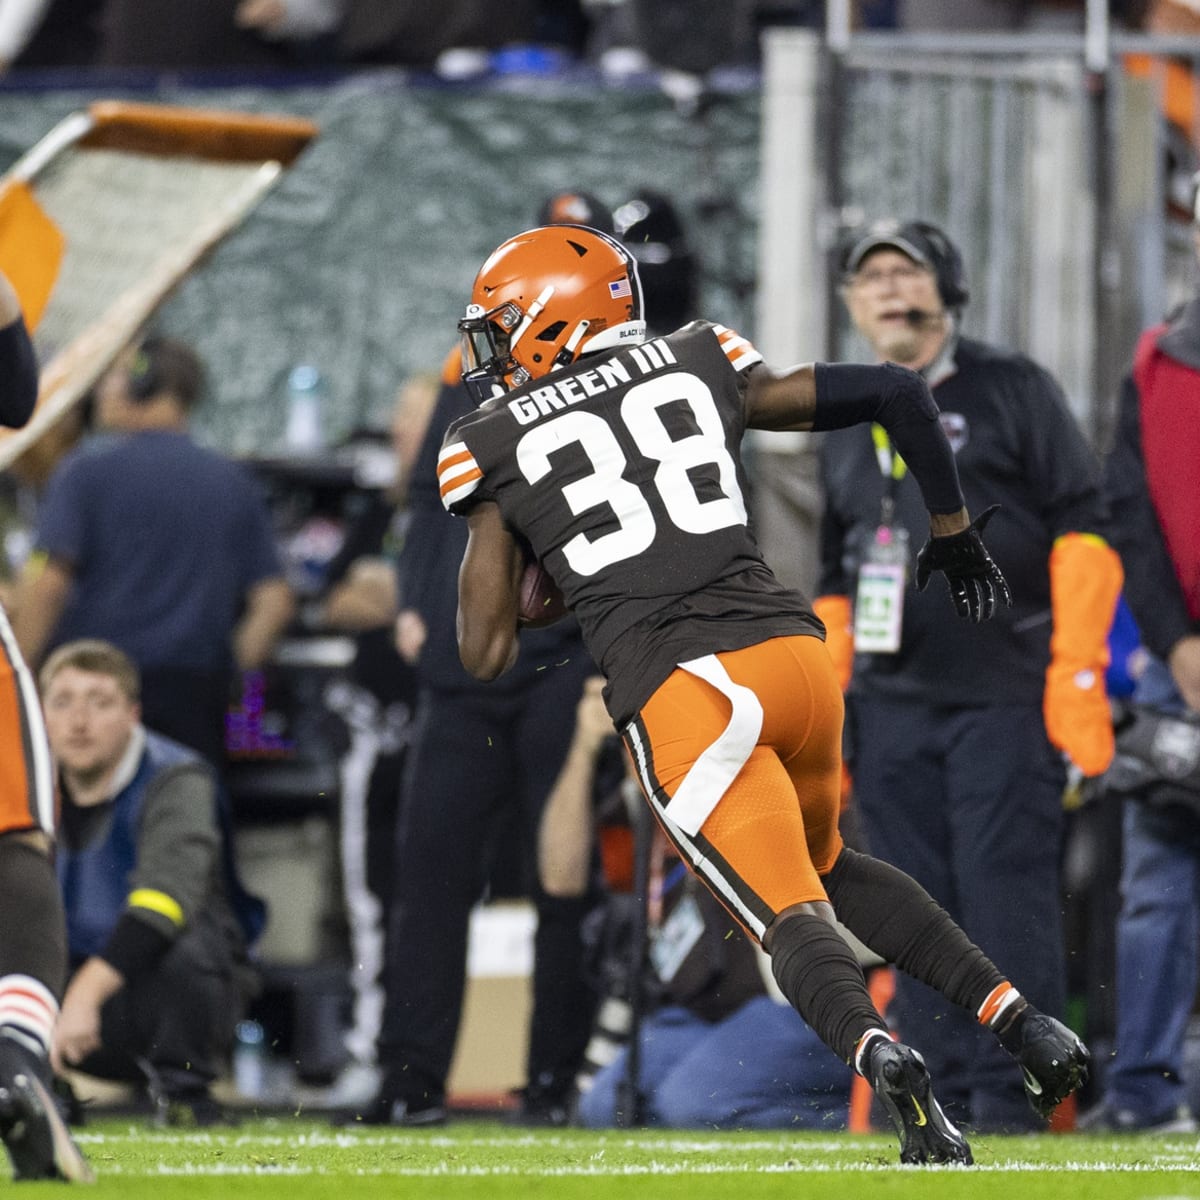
883	572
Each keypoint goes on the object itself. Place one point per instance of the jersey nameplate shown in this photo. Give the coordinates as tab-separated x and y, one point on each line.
611	373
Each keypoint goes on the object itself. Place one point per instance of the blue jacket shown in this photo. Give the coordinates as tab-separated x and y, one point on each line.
96	879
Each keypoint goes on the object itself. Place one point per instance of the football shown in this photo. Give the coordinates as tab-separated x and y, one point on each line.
540	602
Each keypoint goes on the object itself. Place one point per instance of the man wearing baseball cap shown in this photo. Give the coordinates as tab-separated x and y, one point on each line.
960	745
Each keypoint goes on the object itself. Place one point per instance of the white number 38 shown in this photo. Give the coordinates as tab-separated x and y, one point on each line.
607	486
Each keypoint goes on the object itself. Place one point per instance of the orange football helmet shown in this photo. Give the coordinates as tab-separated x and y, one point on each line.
544	298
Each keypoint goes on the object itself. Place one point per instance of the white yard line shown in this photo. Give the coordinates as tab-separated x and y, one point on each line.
446	1170
669	1155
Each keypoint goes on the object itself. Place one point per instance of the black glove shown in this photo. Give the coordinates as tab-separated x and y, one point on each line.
975	580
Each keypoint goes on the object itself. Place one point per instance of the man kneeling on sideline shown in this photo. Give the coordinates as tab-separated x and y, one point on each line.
158	966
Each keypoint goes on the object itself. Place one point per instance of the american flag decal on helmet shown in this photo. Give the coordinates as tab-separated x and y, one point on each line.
620	288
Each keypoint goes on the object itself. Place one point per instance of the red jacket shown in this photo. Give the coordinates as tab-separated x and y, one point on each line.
1169	413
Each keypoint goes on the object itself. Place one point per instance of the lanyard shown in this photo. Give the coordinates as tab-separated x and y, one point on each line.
883	569
891	466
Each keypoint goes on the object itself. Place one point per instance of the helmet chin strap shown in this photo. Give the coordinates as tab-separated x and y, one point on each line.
567	354
529	317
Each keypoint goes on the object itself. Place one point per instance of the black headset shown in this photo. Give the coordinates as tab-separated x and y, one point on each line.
145	371
947	265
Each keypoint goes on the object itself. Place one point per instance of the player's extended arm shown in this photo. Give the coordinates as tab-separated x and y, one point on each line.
488	592
824	396
821	396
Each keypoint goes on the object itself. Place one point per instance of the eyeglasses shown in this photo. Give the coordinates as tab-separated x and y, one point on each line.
876	276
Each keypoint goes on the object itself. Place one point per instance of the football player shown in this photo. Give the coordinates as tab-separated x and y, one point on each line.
615	460
33	946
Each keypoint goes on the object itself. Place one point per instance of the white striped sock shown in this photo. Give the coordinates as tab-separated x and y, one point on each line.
28	1007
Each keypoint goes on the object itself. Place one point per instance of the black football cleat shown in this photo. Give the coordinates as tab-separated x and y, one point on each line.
1053	1061
901	1081
34	1133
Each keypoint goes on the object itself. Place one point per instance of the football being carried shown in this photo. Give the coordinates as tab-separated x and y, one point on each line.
541	602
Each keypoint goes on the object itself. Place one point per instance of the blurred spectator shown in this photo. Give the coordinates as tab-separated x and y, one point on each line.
964	795
168	35
289	19
719	1047
633	35
482	763
650	225
376	700
160	34
1155	512
401	31
572	207
677	34
159	972
159	546
479	755
48	33
865	14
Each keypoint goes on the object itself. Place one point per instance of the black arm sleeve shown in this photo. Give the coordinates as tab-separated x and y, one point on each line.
900	401
135	946
18	375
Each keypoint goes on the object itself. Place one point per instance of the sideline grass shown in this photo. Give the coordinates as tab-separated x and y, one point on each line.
300	1160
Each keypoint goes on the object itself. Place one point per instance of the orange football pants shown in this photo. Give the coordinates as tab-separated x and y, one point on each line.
26	783
739	754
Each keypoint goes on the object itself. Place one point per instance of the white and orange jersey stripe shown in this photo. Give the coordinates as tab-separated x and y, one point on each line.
740	352
458	473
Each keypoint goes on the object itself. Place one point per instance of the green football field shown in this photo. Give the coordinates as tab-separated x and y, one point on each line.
297	1159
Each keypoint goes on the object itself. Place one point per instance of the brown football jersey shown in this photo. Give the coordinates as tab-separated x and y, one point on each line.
623	474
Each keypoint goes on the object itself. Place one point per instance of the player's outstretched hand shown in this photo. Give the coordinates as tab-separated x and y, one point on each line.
975	581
